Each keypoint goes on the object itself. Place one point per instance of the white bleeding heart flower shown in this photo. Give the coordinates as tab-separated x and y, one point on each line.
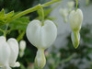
41	36
4	53
75	36
13	44
75	19
8	52
40	60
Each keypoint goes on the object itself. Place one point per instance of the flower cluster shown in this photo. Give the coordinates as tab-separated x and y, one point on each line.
66	11
41	34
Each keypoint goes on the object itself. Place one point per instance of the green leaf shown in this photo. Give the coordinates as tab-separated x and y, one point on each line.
5	18
19	24
10	14
2	14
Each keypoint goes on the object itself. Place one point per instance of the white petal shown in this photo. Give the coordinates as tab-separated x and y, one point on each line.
4	54
6	67
2	39
17	64
13	44
41	36
76	18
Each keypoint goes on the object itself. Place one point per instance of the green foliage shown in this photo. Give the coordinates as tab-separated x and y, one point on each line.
19	24
5	18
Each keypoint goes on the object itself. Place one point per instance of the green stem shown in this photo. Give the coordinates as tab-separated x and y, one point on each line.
68	59
26	12
20	36
34	9
42	16
76	4
4	31
49	3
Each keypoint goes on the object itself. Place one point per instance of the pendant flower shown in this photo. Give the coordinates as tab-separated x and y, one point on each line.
8	52
76	19
41	36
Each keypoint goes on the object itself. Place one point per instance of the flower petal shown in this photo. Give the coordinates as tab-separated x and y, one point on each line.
13	45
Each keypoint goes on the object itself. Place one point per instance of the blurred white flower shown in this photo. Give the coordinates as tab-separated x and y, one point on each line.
76	19
22	45
64	13
70	5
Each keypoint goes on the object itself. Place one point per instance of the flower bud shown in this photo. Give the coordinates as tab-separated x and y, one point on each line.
64	14
13	44
75	19
75	36
40	60
21	53
41	36
22	45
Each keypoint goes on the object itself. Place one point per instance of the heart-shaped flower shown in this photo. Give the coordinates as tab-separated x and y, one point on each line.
76	18
41	36
8	52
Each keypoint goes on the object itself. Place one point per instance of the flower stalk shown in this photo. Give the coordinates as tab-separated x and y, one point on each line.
35	8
